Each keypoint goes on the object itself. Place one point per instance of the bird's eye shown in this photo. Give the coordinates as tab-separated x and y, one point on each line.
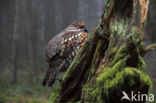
81	27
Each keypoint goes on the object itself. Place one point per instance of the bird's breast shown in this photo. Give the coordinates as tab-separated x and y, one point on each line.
71	43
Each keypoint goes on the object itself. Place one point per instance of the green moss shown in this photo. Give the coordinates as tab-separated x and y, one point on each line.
52	97
142	63
119	54
117	76
100	30
118	28
109	85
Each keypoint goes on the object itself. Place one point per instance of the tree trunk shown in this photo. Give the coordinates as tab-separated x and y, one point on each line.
15	43
111	61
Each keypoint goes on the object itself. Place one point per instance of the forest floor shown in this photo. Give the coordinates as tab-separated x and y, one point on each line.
10	93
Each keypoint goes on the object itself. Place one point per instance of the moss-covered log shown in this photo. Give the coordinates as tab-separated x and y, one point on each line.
111	60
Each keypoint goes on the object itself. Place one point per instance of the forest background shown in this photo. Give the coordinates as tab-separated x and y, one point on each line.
26	26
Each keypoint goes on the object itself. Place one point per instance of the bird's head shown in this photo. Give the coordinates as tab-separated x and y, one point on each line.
78	26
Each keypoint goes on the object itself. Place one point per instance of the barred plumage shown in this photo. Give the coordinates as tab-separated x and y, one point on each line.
61	49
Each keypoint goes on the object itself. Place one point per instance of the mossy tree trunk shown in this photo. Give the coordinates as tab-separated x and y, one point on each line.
111	61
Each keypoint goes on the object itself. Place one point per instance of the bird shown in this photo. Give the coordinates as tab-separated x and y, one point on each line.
62	48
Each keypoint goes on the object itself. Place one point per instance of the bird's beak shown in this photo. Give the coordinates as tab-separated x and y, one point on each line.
86	30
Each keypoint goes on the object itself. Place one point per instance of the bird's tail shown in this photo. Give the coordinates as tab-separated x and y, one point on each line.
52	79
49	77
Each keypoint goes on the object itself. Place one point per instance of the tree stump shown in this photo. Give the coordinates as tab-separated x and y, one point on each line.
111	61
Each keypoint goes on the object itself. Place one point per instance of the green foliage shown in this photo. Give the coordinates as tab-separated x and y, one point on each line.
53	96
18	93
4	92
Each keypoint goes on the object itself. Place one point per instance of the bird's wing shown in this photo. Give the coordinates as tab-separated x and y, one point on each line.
54	46
52	71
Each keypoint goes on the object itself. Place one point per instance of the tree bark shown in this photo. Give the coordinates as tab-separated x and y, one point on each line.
111	61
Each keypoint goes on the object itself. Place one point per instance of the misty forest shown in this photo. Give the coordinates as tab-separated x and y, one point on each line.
118	54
